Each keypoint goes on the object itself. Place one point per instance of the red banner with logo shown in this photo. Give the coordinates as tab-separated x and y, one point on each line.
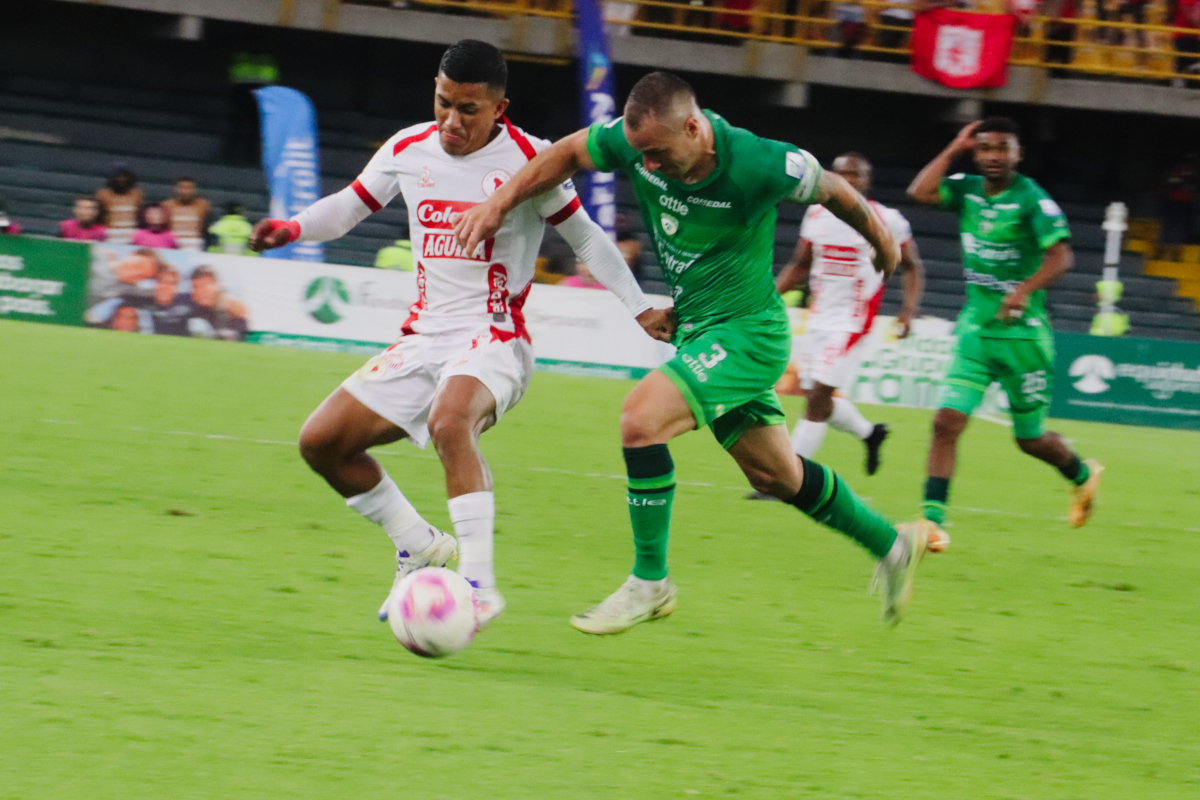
961	50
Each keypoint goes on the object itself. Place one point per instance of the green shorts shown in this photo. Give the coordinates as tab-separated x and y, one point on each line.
1024	368
727	373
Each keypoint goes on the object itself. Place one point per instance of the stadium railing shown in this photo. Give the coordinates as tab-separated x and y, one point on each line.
1083	45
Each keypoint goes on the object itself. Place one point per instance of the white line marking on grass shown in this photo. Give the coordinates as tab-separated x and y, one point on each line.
573	473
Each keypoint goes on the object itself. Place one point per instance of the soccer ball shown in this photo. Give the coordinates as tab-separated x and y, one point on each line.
432	612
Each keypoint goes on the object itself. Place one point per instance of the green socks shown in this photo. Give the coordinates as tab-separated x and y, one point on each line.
651	492
937	494
1076	472
827	498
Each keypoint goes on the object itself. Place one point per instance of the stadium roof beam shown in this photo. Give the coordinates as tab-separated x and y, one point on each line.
792	66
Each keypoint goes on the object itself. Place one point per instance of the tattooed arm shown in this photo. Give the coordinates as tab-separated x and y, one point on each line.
845	203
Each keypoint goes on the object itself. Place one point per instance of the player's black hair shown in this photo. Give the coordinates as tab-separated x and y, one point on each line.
473	61
998	125
187	178
655	94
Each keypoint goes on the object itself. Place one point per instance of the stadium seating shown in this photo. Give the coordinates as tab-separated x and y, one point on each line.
162	136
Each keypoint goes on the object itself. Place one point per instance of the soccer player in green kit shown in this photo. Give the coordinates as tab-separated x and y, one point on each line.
1015	244
708	192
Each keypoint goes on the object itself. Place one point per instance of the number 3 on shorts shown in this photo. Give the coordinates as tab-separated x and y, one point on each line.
710	361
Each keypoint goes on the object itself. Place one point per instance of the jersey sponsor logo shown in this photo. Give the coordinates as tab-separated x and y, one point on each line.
326	300
426	180
441	213
678	206
670	225
988	251
650	176
1094	373
494	180
445	245
497	292
989	281
1049	207
701	201
839	260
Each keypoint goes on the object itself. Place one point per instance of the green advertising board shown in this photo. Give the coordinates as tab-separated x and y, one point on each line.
1151	382
43	280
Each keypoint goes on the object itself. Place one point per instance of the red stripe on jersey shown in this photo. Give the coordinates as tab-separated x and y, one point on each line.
414	311
564	213
518	317
519	137
416	137
872	310
369	201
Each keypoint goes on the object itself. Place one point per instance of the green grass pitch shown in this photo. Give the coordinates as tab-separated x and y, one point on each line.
187	612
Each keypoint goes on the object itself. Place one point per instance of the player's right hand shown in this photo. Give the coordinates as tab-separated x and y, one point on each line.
965	140
885	260
271	233
476	225
658	323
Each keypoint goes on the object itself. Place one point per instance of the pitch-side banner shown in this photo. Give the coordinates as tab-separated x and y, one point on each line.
43	280
1130	381
289	149
596	93
962	50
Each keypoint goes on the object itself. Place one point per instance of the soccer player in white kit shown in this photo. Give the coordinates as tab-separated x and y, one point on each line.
463	357
845	293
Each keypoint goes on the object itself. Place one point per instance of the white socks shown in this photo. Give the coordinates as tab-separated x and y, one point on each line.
846	417
808	437
385	505
474	518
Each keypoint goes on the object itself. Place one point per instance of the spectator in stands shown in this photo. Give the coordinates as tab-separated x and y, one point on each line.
396	256
7	223
1177	208
851	27
900	15
121	198
1187	15
232	233
88	225
155	230
1060	30
582	279
189	215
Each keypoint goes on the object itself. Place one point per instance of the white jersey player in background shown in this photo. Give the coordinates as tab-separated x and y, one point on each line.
463	357
845	293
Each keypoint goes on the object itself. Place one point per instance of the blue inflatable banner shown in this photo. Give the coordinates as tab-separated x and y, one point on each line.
596	84
289	148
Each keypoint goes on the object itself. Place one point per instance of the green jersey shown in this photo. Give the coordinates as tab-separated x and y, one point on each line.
1004	238
715	238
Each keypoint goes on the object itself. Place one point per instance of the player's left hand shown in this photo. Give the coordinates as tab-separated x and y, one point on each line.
885	261
658	323
903	325
1013	306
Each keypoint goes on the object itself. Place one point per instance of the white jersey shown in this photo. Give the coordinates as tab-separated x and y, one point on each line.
458	292
846	289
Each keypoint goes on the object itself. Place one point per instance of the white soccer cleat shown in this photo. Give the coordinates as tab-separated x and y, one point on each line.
443	549
636	601
893	581
489	604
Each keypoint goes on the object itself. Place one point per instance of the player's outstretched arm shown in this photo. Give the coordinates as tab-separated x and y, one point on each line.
796	271
844	202
329	218
546	170
926	187
1056	262
912	270
593	247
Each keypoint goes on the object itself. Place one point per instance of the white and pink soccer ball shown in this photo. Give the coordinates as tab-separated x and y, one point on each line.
432	612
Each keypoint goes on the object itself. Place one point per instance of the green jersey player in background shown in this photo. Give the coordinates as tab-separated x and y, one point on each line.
1015	243
707	192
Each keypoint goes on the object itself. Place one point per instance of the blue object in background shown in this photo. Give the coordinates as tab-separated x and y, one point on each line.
289	148
596	88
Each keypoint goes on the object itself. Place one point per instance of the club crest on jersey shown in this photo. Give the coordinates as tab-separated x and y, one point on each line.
669	224
494	180
426	180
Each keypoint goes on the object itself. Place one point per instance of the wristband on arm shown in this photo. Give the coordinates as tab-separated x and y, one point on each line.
293	228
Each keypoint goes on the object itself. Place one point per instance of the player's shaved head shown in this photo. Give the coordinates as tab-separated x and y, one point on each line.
667	98
473	61
855	168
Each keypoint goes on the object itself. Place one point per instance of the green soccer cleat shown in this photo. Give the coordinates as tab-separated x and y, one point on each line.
636	601
894	582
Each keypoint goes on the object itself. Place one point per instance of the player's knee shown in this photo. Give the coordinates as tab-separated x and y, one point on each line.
318	447
637	426
820	406
449	427
947	425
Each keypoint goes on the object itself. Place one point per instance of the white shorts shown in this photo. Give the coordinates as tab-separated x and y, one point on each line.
399	384
829	357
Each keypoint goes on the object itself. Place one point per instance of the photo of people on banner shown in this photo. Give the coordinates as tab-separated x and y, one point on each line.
165	292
